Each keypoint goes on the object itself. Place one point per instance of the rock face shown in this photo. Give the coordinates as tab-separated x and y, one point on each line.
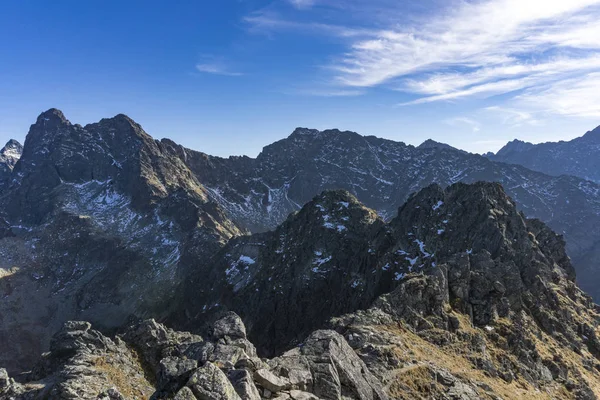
578	157
480	303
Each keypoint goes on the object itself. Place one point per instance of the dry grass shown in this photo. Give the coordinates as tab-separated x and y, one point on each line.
132	386
454	358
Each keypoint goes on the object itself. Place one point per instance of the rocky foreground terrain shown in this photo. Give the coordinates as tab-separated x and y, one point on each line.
367	292
468	300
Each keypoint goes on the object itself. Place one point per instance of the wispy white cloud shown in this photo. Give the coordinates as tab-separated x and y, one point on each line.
464	49
328	92
216	65
576	97
268	21
457	121
302	4
514	117
217	69
476	35
532	52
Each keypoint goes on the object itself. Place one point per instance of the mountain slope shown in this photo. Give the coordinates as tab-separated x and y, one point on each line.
459	297
260	193
101	224
579	157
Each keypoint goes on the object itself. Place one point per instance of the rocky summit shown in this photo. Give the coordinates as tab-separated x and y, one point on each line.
458	297
332	266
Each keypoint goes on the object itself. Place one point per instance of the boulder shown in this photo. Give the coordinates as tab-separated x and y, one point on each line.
300	395
210	383
337	370
5	380
270	381
243	384
174	372
185	394
230	325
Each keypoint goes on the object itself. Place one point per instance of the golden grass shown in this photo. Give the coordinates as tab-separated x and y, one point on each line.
132	386
454	358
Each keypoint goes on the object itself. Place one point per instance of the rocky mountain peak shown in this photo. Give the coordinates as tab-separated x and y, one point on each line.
11	152
333	208
432	144
305	132
593	135
515	145
52	116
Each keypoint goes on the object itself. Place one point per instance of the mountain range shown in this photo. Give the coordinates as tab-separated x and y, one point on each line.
384	243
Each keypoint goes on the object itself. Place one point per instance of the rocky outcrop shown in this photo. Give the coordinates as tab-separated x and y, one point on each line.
152	361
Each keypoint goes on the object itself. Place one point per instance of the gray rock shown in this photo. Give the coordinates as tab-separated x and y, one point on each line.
270	381
337	370
243	384
185	393
462	391
226	354
300	395
5	380
230	325
210	383
111	394
174	372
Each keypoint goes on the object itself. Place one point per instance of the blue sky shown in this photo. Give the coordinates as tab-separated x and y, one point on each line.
231	76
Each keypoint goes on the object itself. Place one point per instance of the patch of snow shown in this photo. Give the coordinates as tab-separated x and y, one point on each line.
246	260
422	248
320	261
437	205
